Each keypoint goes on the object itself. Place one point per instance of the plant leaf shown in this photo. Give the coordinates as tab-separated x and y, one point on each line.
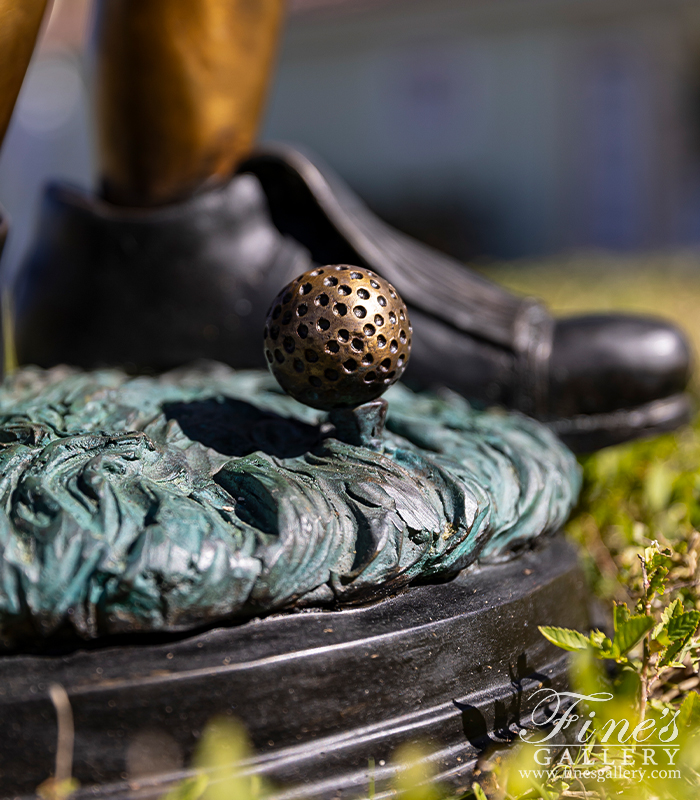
660	633
190	789
572	641
630	633
479	793
683	626
620	615
658	486
680	631
689	715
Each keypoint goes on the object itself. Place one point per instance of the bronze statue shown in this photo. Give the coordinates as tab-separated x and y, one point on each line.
171	508
160	267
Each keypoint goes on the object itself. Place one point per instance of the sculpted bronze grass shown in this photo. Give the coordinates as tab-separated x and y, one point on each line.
204	495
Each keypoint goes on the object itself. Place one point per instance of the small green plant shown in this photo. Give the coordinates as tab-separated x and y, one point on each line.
61	786
635	493
626	723
225	744
667	634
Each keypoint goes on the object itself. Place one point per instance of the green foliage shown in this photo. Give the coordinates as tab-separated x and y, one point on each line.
53	789
626	716
689	716
565	638
224	745
629	631
674	634
413	779
479	793
635	494
189	789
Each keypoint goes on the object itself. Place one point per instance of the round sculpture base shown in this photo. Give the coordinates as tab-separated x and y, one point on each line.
323	694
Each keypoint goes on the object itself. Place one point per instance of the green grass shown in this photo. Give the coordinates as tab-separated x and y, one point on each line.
647	490
634	494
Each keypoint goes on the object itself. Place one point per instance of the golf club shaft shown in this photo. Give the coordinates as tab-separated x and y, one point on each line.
180	88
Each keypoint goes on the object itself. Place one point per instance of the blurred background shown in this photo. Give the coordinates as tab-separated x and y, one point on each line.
492	129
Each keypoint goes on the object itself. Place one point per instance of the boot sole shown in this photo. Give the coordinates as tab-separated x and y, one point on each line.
588	432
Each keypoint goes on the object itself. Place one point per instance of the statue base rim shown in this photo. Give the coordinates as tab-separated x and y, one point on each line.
321	693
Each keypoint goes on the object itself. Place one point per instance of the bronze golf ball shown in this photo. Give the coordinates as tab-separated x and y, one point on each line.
337	336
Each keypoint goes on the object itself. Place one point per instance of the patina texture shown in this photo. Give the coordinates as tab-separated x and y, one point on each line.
161	504
337	336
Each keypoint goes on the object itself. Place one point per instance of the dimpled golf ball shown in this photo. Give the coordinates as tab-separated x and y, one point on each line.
337	336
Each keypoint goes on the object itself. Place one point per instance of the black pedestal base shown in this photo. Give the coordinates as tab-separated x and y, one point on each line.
321	693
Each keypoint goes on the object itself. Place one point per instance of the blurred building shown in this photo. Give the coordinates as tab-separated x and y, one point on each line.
505	127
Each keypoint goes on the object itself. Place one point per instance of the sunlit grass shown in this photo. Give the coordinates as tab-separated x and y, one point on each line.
645	490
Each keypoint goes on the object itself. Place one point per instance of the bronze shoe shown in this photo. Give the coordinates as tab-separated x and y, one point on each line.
597	380
151	289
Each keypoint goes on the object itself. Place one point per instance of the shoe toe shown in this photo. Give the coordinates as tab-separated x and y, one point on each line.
602	363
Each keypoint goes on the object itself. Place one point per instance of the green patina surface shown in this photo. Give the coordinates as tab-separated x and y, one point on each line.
160	504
